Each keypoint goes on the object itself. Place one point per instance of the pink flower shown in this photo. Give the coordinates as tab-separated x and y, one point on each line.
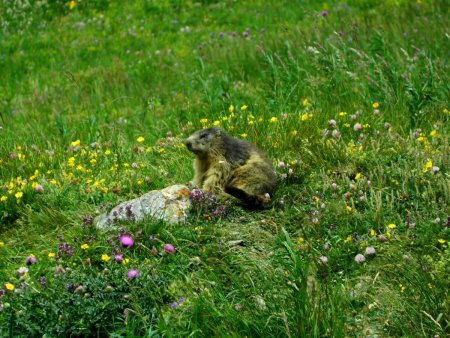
360	258
168	248
323	260
370	250
357	127
126	240
39	188
132	273
118	258
30	260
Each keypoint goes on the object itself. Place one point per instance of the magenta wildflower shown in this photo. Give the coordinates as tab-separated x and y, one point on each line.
132	273
118	258
324	13
357	127
30	260
39	188
168	248
126	240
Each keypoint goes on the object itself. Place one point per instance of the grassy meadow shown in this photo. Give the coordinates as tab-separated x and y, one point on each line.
350	100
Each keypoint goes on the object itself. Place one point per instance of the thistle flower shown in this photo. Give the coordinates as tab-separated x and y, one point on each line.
168	248
132	273
126	240
30	260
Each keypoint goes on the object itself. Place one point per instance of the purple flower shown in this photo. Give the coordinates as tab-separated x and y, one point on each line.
357	127
324	13
181	300
336	133
332	123
126	240
132	273
245	34
118	258
281	165
30	260
42	281
359	258
370	250
173	305
168	248
341	33
39	188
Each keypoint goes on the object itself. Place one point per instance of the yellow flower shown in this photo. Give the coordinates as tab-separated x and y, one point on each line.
107	152
305	102
231	108
300	240
348	239
358	176
203	121
72	4
402	288
105	258
392	226
250	123
51	255
93	161
125	261
428	166
441	241
244	135
375	105
433	133
372	232
305	117
216	123
75	143
2	243
104	190
244	107
347	125
294	133
348	208
71	162
9	287
4	198
446	111
19	194
342	113
140	139
84	246
273	119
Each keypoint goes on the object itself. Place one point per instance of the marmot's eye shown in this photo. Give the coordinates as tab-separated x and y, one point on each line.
203	135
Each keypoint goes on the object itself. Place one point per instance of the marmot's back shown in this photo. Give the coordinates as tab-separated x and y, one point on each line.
228	165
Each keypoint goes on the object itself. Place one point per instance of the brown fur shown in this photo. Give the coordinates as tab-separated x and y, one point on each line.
230	166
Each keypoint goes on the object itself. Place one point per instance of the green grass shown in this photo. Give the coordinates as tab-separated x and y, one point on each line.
79	87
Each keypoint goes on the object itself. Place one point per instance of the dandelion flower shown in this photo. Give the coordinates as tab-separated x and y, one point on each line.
392	226
231	108
84	246
140	139
9	287
433	133
375	105
273	119
72	4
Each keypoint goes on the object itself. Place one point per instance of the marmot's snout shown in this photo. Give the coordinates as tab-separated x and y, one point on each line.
188	144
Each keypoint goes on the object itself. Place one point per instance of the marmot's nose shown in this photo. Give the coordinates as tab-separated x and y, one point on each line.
188	144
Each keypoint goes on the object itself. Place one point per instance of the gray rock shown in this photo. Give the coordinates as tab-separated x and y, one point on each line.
169	204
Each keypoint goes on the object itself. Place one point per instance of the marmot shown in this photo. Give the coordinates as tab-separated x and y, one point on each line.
226	165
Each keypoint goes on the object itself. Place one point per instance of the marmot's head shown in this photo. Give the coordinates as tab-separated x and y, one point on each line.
203	141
